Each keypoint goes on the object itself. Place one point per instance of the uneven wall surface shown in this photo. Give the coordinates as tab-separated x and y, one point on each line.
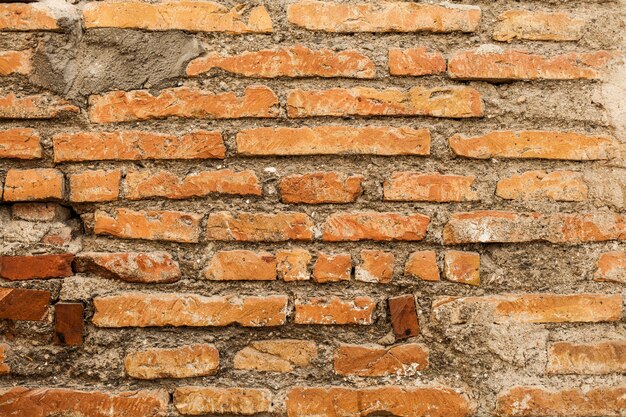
312	208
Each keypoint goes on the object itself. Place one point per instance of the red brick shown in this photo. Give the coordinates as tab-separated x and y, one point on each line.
403	315
375	226
320	187
39	106
534	145
17	268
334	310
184	362
26	17
15	62
332	268
376	266
276	355
462	267
293	264
296	61
197	16
174	226
143	267
386	17
95	186
230	401
375	360
330	140
538	26
241	265
433	187
415	61
68	324
182	102
23	304
540	185
587	358
453	102
20	143
135	145
33	184
137	309
39	212
611	267
259	227
505	65
423	265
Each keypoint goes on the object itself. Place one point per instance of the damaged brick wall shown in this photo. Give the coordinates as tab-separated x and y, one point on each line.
312	208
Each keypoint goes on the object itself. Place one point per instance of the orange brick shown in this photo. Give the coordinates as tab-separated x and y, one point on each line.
276	355
231	401
375	360
332	268
174	226
530	401
534	145
330	140
539	185
135	145
534	308
538	26
39	106
503	65
137	309
433	187
26	17
91	186
242	265
141	185
143	267
320	187
184	362
587	358
293	264
334	310
259	227
39	212
296	61
423	265
18	268
33	184
611	267
375	266
415	61
386	17
197	16
20	143
425	401
15	62
182	102
454	102
374	226
463	267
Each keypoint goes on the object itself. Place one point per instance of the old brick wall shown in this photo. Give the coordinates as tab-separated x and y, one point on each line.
312	208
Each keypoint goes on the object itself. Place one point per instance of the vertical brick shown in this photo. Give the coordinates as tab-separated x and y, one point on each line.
33	184
403	316
95	186
462	267
332	268
375	266
423	265
68	324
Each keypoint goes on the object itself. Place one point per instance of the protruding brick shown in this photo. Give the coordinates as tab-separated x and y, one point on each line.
438	401
48	401
505	65
259	227
463	267
18	268
375	226
231	401
375	360
611	267
334	310
434	187
39	212
149	184
276	355
332	268
375	266
539	185
534	308
26	17
296	61
538	26
331	140
416	62
69	325
174	226
143	267
39	106
173	309
403	314
293	264
604	401
95	186
20	143
320	187
196	16
453	102
241	265
423	265
23	304
184	362
587	358
135	145
33	184
534	145
386	17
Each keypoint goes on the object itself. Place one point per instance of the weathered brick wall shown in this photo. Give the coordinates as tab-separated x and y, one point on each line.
312	209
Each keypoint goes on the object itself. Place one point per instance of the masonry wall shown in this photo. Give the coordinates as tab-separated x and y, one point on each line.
312	209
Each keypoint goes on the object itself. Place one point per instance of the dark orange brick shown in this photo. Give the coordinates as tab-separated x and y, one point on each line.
17	268
68	324
403	315
23	304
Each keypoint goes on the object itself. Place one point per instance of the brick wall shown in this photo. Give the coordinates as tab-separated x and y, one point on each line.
312	208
